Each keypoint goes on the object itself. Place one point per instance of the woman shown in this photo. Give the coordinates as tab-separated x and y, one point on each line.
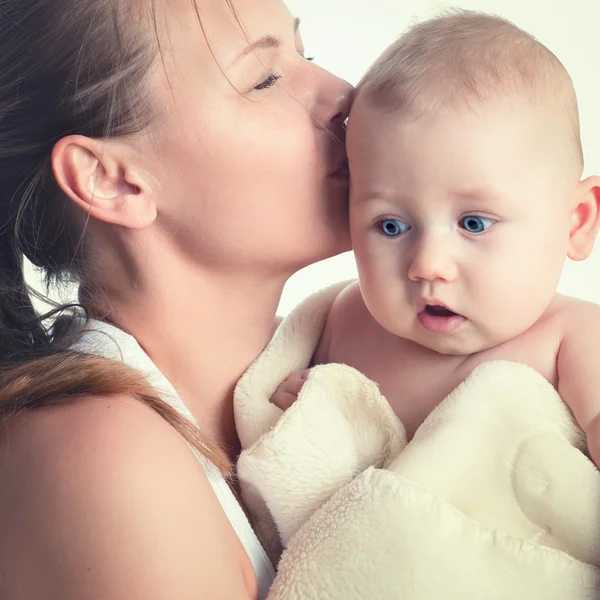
182	161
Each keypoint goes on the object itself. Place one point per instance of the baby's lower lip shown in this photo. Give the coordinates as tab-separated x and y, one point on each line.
441	324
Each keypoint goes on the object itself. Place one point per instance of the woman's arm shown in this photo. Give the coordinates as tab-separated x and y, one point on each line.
102	500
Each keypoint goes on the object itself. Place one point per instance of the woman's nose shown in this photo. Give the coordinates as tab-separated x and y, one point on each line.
334	99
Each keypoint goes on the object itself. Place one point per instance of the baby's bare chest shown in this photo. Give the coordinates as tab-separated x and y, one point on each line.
415	380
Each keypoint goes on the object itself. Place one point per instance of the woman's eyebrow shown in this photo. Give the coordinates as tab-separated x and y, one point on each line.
267	41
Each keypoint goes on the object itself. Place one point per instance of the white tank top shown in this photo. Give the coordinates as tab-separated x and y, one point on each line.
105	340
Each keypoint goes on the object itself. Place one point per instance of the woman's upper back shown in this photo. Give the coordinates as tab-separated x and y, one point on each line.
101	498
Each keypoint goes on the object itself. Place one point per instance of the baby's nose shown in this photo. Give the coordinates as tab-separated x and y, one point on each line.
432	262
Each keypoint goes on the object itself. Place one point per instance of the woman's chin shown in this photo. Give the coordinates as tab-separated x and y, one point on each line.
338	243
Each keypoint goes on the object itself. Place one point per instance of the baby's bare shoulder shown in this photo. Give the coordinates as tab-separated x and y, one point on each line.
349	316
340	323
348	305
350	324
573	314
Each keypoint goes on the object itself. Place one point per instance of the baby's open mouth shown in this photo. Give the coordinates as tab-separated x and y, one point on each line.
440	320
439	311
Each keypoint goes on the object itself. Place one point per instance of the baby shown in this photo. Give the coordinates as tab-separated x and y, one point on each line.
466	199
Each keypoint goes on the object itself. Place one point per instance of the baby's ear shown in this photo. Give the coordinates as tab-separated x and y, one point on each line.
585	218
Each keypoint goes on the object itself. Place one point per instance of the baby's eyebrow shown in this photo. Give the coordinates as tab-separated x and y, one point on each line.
477	195
378	196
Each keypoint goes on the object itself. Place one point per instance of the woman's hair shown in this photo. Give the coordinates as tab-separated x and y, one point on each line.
66	67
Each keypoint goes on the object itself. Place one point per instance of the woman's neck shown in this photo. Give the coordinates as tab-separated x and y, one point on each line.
202	332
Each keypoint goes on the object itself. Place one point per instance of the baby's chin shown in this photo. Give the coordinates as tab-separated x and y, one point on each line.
463	343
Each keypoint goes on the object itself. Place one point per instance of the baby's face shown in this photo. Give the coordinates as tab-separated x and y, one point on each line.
459	220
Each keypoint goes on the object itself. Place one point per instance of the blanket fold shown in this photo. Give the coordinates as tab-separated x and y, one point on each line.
493	498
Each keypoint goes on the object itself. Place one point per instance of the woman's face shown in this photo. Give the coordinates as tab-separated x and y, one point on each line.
249	149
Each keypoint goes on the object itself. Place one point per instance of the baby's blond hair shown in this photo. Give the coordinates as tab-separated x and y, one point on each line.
462	57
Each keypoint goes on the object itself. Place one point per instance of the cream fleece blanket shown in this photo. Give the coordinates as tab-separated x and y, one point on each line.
492	499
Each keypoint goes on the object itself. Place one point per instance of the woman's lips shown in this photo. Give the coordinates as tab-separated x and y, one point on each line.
341	170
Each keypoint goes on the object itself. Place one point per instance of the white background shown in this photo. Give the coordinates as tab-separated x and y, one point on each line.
346	36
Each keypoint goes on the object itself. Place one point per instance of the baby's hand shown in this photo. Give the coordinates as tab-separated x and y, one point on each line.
287	392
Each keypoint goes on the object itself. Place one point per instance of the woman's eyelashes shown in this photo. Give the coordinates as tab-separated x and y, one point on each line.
270	81
273	78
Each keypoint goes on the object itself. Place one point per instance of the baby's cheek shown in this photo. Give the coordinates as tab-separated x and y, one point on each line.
386	307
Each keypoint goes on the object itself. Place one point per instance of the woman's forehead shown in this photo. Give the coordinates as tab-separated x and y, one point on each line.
220	28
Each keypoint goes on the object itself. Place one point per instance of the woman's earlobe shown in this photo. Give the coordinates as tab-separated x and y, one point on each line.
585	218
104	181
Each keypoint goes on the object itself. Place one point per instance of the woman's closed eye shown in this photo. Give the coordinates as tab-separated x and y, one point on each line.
273	78
270	81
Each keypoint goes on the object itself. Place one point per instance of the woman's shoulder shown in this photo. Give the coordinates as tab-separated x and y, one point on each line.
102	498
83	434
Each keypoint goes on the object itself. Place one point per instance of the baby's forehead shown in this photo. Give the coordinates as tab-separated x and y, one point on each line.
514	122
367	108
470	166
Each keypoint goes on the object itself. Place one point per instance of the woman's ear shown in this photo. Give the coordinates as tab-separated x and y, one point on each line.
585	218
102	179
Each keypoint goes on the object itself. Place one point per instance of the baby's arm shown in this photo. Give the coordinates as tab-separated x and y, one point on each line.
287	392
579	371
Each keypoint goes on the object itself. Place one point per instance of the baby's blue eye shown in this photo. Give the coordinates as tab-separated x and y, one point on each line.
393	227
475	224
